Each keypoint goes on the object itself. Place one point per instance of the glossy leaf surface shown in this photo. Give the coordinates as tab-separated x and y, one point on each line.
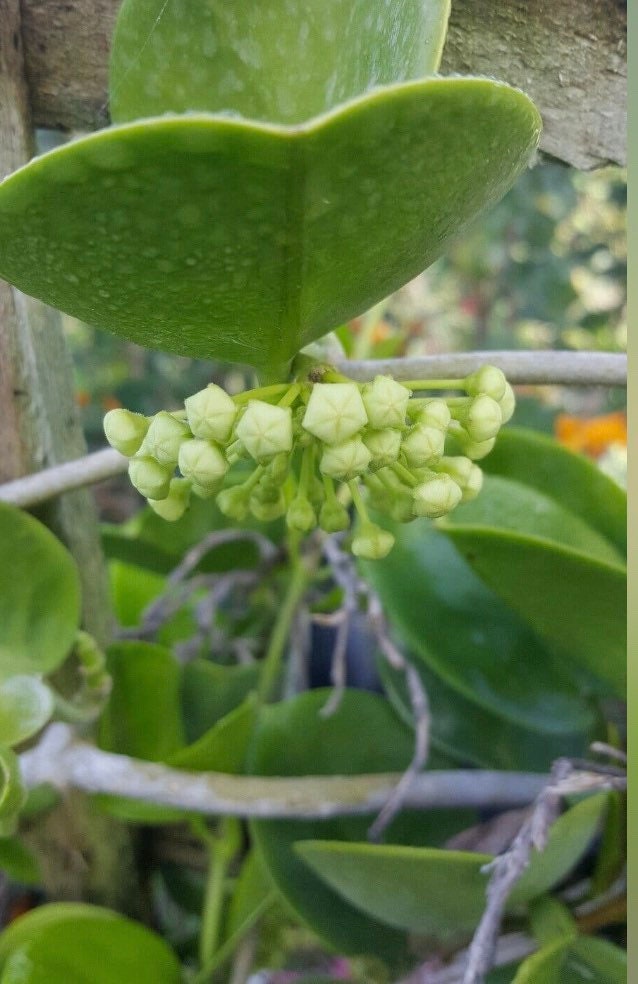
597	960
362	736
545	966
64	942
460	628
563	581
219	238
277	61
26	704
210	691
39	596
437	893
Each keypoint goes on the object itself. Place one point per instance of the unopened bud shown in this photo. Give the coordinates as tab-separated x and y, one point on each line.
383	445
278	468
176	503
436	497
233	503
335	412
346	460
151	479
488	380
507	403
164	438
301	516
333	517
211	413
125	430
372	542
482	419
465	473
435	413
267	512
473	485
386	402
423	445
475	450
265	430
202	462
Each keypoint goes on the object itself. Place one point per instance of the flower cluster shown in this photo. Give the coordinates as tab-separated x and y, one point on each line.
316	449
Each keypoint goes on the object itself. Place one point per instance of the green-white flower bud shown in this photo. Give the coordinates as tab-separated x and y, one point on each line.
202	462
383	445
436	497
211	413
151	479
267	512
346	460
301	516
265	430
233	503
203	493
266	491
507	403
333	517
125	430
473	485
372	542
435	413
488	380
482	419
164	438
335	412
464	472
475	450
401	509
176	503
422	445
277	470
386	402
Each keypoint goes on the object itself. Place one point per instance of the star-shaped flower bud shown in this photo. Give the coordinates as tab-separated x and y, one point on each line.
435	413
176	503
335	412
436	497
267	512
202	462
233	503
164	438
464	472
346	460
386	402
507	403
383	445
125	430
265	430
211	413
372	542
150	478
333	517
482	419
401	509
473	485
422	445
475	450
488	380
301	516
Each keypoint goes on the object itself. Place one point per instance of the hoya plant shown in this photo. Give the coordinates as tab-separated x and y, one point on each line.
272	171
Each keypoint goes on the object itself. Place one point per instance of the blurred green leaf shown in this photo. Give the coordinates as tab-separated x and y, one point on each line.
12	792
26	704
270	62
214	214
39	596
209	692
478	646
546	965
71	942
597	961
18	863
222	748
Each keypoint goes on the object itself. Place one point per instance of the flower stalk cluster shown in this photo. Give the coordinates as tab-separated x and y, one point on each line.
320	451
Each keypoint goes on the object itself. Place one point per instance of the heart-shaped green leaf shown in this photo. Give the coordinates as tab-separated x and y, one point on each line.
243	241
26	704
465	634
566	582
544	464
272	61
471	734
39	596
362	736
438	893
65	942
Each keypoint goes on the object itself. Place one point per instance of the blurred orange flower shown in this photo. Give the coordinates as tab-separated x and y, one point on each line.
591	435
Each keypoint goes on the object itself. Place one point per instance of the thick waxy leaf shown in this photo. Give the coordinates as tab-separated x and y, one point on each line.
26	704
437	893
473	735
545	966
362	736
475	643
39	596
596	961
65	942
567	583
243	241
277	61
222	748
210	691
573	480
